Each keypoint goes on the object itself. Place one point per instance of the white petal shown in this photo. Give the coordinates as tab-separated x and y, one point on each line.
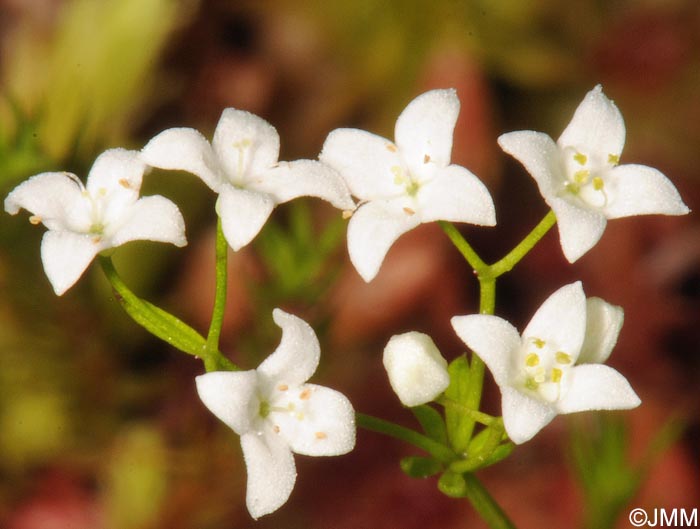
323	423
597	387
305	178
66	255
417	371
365	162
425	128
603	324
49	196
561	320
152	219
579	228
456	195
243	214
597	126
184	149
246	144
641	190
271	472
116	176
372	230
539	155
231	396
524	416
492	338
296	357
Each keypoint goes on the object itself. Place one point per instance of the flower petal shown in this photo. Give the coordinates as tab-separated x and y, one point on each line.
243	214
116	175
372	230
271	472
417	371
66	255
246	144
425	127
523	416
152	218
455	194
579	228
641	190
323	425
597	387
540	156
561	320
305	178
51	197
185	149
597	126
296	357
494	339
603	324
231	396
364	161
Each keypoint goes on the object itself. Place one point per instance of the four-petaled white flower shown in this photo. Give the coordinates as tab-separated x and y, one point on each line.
403	184
417	371
276	413
556	365
241	165
84	220
580	179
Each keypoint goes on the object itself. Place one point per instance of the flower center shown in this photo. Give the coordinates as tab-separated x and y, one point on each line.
403	178
243	147
586	175
543	369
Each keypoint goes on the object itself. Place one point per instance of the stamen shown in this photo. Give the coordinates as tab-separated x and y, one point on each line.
276	429
102	191
531	384
347	213
426	158
300	416
562	358
532	360
305	395
598	183
409	211
580	158
580	177
398	175
124	183
35	219
283	387
391	147
320	435
539	342
556	374
613	159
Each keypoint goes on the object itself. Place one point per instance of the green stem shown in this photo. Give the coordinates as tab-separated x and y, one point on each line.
217	317
463	246
477	416
438	450
484	504
528	243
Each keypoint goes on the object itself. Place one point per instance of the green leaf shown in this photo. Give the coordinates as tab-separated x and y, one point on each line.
459	425
420	467
432	422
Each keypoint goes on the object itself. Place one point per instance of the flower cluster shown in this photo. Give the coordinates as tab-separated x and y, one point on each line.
555	366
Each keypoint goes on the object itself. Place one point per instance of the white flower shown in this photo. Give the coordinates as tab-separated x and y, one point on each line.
417	371
580	179
241	165
556	365
276	413
406	183
84	220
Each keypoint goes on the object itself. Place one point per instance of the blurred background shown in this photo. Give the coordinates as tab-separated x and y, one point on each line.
100	425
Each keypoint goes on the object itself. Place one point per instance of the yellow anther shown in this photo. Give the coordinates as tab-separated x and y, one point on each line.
426	158
124	183
276	429
539	342
532	360
305	395
613	159
580	177
283	387
408	211
556	374
35	219
399	178
580	158
347	213
562	358
321	435
391	147
598	183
